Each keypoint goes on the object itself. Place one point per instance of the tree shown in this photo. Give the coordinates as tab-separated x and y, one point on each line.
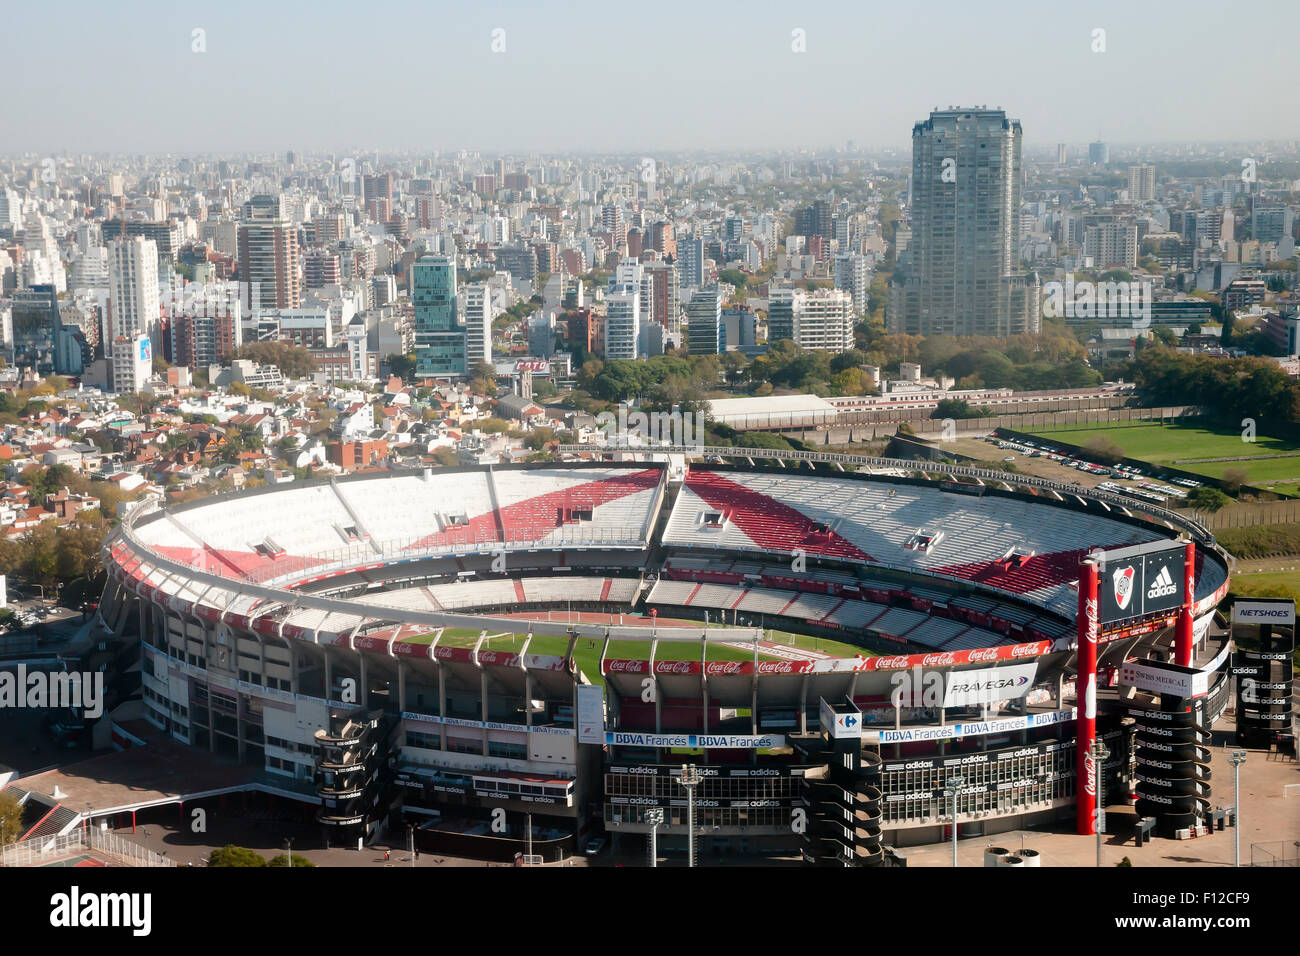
403	366
446	457
35	556
538	438
11	819
283	860
954	408
43	481
78	547
1207	499
734	277
1104	449
235	856
1234	478
847	360
294	361
852	381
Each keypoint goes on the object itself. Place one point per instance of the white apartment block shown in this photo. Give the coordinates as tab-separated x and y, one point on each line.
133	286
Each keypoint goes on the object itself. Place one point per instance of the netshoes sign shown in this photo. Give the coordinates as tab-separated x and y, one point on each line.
1264	612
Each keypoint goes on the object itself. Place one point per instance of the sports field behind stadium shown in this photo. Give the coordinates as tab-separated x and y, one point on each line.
1272	459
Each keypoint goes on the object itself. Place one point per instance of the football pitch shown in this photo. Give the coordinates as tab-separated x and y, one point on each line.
1174	444
586	652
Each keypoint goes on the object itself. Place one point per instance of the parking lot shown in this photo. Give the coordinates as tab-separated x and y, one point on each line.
1041	458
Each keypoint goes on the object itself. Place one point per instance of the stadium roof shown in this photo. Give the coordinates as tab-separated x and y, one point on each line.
735	409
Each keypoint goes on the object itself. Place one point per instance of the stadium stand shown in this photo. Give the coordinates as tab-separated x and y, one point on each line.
312	525
845	519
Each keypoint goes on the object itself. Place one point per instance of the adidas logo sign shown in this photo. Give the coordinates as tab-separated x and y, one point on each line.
1163	585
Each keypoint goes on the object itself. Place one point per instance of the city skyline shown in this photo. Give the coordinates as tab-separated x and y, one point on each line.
705	79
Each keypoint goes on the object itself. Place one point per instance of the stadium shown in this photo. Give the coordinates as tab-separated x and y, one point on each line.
844	649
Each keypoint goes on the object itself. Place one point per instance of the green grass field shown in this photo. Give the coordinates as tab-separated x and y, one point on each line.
1268	584
1170	443
587	651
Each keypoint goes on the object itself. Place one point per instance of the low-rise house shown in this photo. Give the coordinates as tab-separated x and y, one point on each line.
65	505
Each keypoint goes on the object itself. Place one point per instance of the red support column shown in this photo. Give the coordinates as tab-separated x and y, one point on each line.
133	821
1183	649
1086	700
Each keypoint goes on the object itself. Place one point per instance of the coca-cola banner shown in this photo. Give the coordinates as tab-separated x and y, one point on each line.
835	665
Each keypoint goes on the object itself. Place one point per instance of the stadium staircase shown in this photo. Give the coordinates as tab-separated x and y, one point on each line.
495	502
58	821
356	519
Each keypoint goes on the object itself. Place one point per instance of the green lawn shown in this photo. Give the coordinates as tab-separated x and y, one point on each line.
1268	584
1286	488
1165	444
1268	469
825	646
587	651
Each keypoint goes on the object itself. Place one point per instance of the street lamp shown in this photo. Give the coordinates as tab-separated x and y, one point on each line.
1099	755
289	845
690	779
655	817
954	784
1236	758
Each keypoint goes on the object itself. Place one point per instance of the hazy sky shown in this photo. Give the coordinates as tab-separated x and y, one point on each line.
90	75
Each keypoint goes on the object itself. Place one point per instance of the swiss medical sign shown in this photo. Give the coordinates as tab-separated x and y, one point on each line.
146	349
1161	678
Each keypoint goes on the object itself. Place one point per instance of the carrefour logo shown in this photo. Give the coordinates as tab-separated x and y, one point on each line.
1163	585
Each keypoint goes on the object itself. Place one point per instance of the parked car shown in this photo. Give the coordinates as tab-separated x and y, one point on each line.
595	846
